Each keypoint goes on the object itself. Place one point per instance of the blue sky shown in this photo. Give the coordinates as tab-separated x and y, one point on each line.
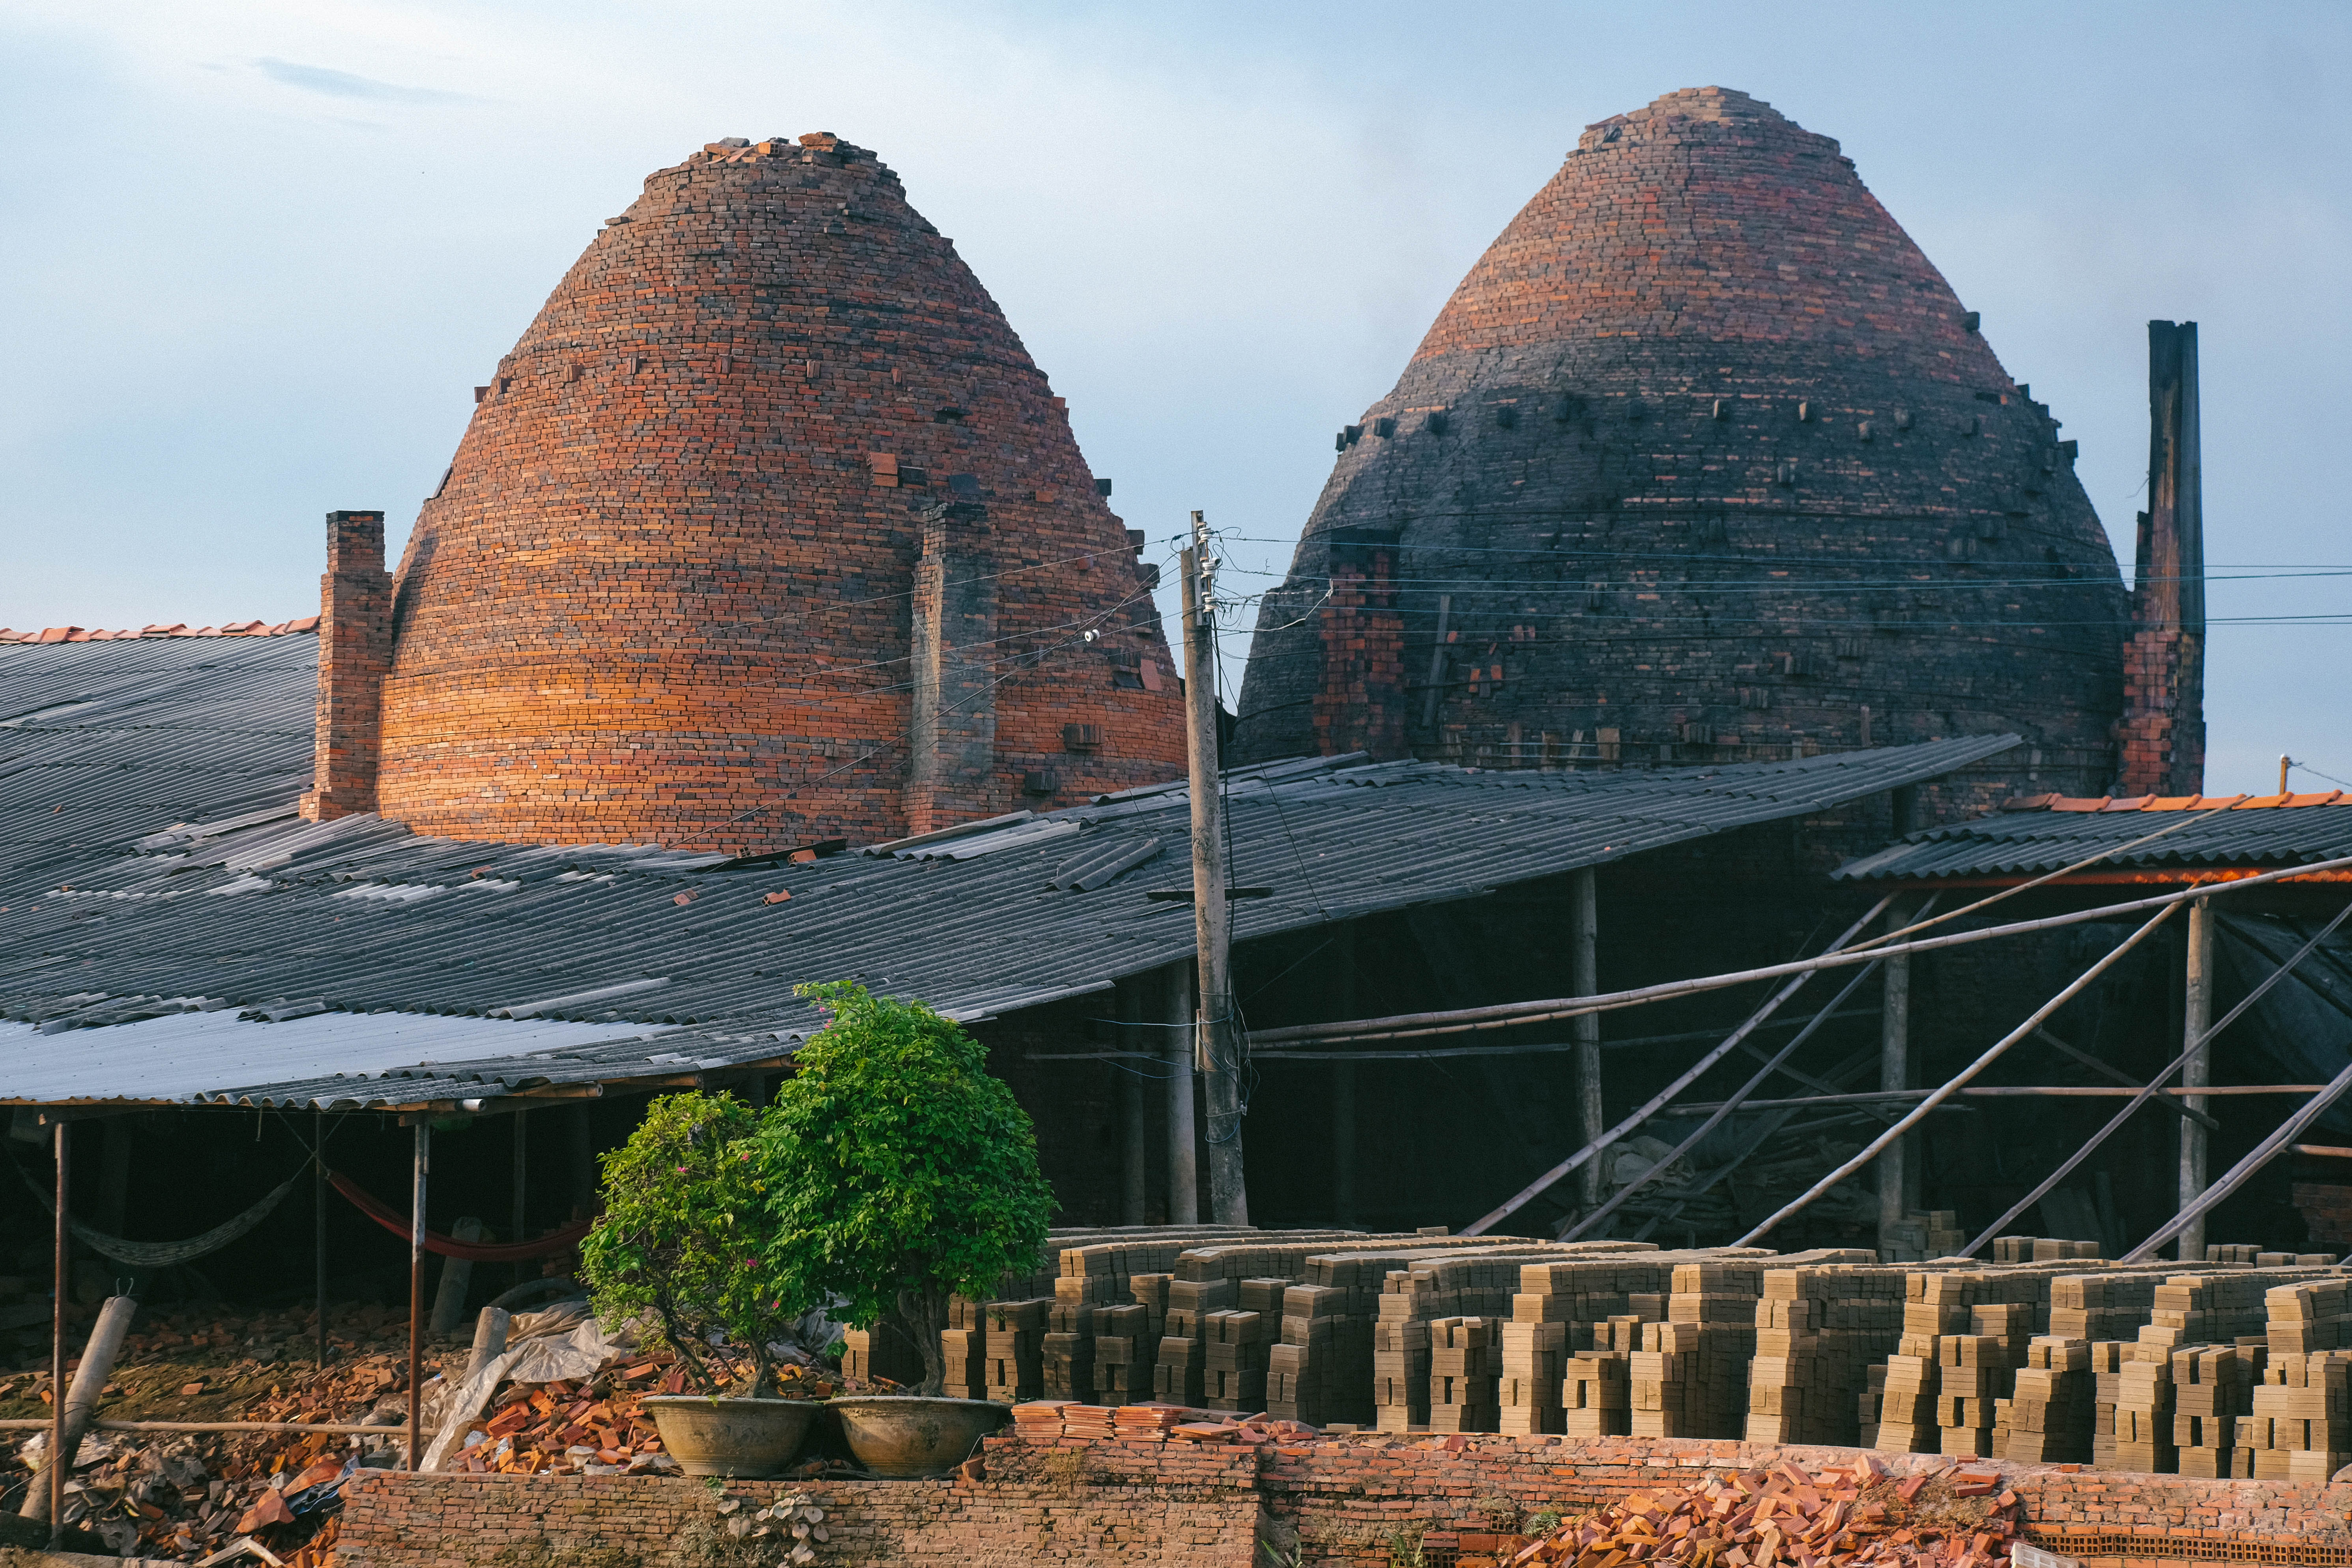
256	255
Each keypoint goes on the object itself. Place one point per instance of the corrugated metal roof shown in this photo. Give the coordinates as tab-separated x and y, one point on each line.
137	905
2046	833
198	1056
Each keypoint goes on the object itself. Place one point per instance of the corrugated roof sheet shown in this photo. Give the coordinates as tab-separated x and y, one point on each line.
121	906
2042	834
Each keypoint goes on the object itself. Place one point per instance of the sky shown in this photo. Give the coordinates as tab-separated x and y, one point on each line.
257	255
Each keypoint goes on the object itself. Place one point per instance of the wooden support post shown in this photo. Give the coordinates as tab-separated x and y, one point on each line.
1342	971
318	1222
583	1164
1894	1175
115	1143
519	1175
1127	1076
422	1165
2196	1017
1584	961
60	1463
1176	1043
1222	1043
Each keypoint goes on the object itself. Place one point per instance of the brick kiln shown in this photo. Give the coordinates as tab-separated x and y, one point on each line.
768	530
1703	460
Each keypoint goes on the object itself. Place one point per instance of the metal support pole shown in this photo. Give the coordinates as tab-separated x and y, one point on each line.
424	1161
1183	1172
318	1222
1894	1073
60	1463
1134	1183
2196	1016
1221	1037
1584	959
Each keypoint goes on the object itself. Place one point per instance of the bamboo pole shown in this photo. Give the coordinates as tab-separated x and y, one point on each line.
207	1426
1508	1014
1657	1101
1919	1111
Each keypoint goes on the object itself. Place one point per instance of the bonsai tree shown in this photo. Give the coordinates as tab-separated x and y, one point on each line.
899	1172
680	1240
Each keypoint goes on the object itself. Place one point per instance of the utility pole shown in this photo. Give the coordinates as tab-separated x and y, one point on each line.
1218	1047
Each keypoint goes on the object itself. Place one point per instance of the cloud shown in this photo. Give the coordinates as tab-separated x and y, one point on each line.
343	84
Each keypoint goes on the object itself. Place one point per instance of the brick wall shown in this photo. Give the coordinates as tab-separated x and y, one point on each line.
1348	1501
1709	463
669	589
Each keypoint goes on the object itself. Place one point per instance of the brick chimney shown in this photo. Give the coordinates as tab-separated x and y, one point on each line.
355	651
1359	703
951	761
2161	737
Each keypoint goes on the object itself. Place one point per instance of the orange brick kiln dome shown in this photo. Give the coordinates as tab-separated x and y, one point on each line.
1702	461
768	530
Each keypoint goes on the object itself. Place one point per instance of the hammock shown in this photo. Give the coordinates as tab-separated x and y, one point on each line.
392	1220
164	1254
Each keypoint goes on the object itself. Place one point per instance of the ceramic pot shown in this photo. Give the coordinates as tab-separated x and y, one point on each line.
906	1436
737	1438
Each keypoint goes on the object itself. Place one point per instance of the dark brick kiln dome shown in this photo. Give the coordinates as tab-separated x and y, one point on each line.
1702	461
768	530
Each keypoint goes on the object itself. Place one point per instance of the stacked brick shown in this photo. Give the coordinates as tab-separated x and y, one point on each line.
1917	1238
2212	1392
1652	362
1014	1352
740	548
1819	1330
879	1352
2299	1421
1180	1375
2298	1424
2134	1390
1461	1375
2049	1416
1725	1332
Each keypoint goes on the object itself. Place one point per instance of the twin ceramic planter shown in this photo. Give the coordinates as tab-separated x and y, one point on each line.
899	1436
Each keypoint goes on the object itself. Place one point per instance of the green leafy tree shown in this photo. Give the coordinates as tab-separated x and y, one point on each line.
681	1239
901	1172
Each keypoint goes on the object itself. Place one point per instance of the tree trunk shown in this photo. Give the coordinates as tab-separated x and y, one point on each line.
923	1316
